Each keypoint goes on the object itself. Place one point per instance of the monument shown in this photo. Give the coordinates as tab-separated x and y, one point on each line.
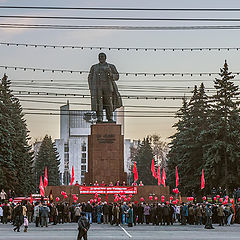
105	144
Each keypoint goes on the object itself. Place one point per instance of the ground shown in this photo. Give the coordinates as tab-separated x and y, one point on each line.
140	232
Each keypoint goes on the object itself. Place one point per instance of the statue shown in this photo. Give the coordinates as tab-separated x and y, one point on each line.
103	89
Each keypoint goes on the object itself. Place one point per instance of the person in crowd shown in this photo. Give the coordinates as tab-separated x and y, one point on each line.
88	211
77	212
147	213
103	184
220	212
117	183
3	196
44	211
135	209
124	213
140	211
130	215
1	214
124	183
110	215
105	213
77	183
99	213
83	227
54	213
208	224
29	212
165	214
37	214
141	184
18	217
5	213
116	214
159	214
25	224
153	213
184	213
110	184
96	183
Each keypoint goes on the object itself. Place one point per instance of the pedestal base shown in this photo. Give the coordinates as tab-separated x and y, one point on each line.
105	154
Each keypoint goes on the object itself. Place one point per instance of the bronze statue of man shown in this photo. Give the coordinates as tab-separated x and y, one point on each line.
103	89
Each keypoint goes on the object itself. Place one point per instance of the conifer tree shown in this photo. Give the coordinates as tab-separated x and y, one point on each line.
187	144
222	153
143	161
22	156
7	166
47	157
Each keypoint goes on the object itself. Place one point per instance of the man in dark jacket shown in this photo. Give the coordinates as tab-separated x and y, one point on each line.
83	227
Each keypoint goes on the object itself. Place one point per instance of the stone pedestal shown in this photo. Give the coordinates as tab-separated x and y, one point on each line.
105	154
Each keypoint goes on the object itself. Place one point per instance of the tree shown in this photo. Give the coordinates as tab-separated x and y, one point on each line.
187	145
21	155
160	150
7	167
143	161
222	152
47	157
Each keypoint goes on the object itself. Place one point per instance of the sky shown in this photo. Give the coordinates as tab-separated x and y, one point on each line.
125	61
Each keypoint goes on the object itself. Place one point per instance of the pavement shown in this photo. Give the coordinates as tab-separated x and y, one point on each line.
68	231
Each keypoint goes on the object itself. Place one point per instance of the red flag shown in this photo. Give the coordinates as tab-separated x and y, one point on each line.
45	178
163	177
177	178
159	176
153	169
41	187
31	199
202	180
135	172
233	205
73	177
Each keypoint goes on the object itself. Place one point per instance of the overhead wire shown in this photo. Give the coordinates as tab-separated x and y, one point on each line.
121	73
122	9
117	27
10	44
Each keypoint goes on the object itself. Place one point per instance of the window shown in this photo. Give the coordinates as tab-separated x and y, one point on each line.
83	167
83	173
84	155
84	160
84	148
66	147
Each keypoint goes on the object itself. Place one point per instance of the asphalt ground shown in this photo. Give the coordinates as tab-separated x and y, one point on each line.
69	231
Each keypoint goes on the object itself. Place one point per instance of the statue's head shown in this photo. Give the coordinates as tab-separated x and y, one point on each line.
102	57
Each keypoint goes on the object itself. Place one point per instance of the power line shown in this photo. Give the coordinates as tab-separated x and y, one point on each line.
122	18
125	9
73	111
122	73
116	27
88	104
125	116
31	93
118	48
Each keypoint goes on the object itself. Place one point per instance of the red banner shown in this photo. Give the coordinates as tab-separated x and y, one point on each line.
108	190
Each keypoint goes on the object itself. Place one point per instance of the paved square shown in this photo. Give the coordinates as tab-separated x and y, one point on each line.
68	231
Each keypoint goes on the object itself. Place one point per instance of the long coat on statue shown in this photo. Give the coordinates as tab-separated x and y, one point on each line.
93	79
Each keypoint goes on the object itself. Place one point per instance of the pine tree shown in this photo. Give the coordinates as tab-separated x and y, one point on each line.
22	156
47	157
143	161
7	167
187	144
222	153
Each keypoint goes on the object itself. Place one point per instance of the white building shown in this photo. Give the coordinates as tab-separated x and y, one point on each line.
73	143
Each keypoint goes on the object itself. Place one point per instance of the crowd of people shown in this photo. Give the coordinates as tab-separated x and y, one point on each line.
115	213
